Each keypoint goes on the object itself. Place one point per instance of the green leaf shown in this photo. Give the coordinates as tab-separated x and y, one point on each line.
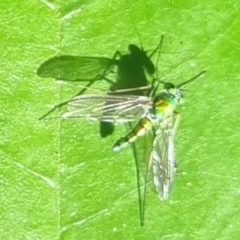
60	180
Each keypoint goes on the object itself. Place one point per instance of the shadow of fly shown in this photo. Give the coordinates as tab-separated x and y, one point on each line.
130	71
133	73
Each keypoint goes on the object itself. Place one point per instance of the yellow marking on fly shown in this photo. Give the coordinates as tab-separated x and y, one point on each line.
142	127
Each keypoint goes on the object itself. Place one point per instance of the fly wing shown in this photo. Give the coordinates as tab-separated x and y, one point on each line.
108	108
75	68
162	158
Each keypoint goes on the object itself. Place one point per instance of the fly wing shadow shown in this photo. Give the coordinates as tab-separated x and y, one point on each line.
75	68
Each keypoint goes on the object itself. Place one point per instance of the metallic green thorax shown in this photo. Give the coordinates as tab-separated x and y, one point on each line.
164	104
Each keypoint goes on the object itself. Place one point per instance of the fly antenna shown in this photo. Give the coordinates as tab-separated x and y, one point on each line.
168	85
190	80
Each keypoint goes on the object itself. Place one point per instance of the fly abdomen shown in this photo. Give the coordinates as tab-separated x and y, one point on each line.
143	126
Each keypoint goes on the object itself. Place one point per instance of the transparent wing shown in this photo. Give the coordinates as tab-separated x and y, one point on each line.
108	108
75	68
162	158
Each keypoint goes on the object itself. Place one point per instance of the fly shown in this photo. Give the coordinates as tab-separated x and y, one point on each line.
133	71
128	108
157	115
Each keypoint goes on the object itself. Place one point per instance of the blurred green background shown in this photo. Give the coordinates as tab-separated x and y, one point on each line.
60	180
